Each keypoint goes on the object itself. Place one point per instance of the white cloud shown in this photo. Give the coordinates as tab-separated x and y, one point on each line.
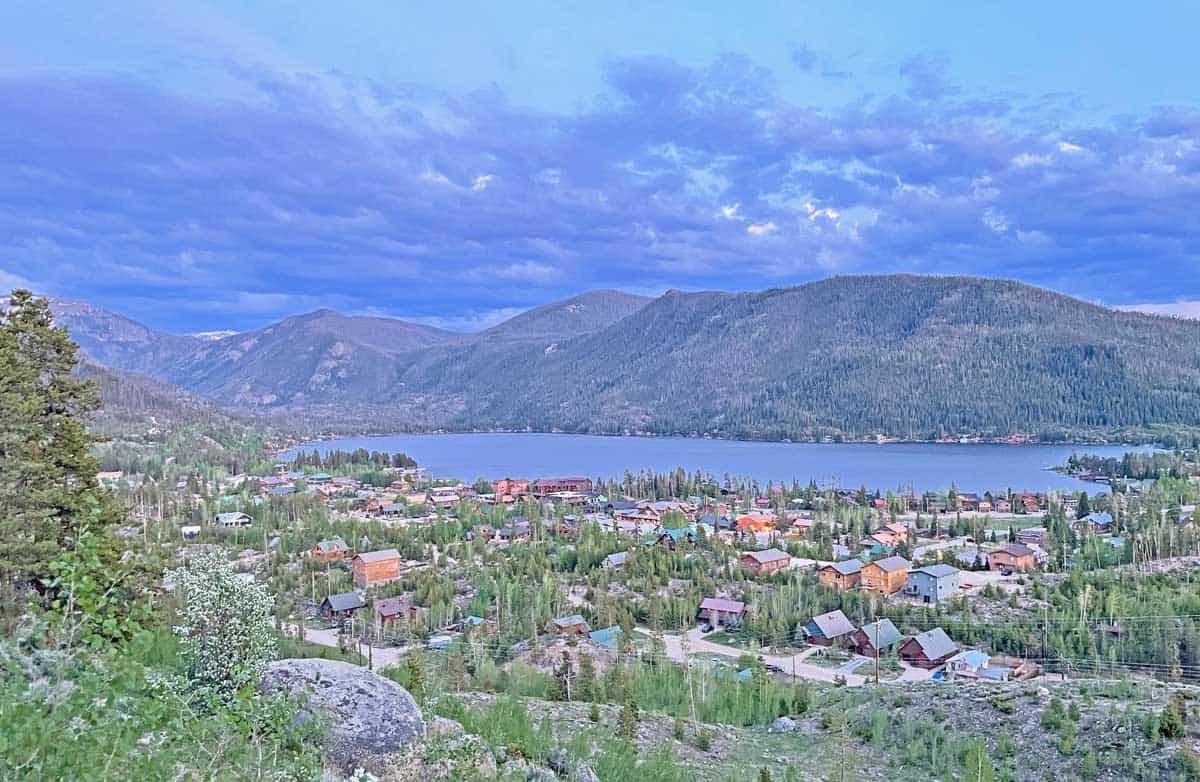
481	182
1067	146
469	322
997	222
1178	309
436	177
761	229
1026	160
731	212
814	213
8	281
527	271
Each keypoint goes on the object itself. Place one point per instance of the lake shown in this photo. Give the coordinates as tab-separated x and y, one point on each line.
973	467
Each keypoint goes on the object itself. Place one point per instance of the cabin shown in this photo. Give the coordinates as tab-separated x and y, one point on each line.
393	610
885	576
801	528
574	624
1012	558
870	640
720	612
673	537
765	563
825	629
1099	523
968	501
332	550
615	561
233	520
933	583
609	636
551	485
1032	536
842	575
341	606
1030	503
929	649
756	524
478	624
190	531
968	664
376	567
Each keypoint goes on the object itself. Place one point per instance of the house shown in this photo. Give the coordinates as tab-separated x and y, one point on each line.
392	610
1099	523
968	501
802	528
841	575
885	576
1030	503
1032	536
882	537
341	606
719	611
574	624
376	567
756	524
1187	522
233	520
609	636
929	649
551	485
764	563
933	583
967	664
513	487
673	537
870	640
615	561
332	550
824	629
190	531
974	559
897	529
473	622
1013	557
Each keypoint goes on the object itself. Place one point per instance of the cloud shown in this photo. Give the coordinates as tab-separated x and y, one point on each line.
305	192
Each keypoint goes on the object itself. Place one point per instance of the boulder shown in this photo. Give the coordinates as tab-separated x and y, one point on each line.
368	718
782	725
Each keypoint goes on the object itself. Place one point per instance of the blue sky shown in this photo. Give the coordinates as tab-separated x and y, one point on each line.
209	166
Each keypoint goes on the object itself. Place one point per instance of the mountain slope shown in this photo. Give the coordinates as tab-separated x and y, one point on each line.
900	355
579	315
116	341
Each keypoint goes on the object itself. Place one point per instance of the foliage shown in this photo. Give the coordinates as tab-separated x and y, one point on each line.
224	627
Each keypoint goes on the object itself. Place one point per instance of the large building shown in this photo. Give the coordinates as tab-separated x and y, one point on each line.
376	567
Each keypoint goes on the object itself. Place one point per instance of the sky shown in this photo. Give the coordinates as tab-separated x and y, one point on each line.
222	165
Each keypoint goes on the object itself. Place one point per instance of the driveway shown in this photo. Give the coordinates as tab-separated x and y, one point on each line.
381	656
791	664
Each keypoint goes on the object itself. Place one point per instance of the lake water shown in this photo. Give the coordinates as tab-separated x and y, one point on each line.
926	466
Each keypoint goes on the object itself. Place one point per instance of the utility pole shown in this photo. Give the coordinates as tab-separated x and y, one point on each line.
877	650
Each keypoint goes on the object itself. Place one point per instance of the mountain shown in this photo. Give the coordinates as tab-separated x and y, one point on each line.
572	317
906	356
116	341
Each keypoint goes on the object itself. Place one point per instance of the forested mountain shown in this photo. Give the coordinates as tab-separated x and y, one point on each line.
906	356
116	341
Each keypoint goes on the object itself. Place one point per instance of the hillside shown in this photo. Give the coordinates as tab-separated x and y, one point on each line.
905	356
118	342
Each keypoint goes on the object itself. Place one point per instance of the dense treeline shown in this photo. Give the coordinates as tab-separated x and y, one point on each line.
1135	465
338	459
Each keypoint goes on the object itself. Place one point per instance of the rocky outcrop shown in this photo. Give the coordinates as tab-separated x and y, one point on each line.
368	718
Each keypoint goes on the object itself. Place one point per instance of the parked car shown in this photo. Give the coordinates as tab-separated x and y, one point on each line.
773	668
706	628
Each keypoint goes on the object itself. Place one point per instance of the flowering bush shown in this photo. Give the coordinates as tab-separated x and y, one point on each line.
225	623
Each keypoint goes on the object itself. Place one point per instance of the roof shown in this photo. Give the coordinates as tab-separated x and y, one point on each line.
892	564
887	635
935	643
346	601
1016	550
391	606
1099	518
607	636
722	604
378	556
333	544
768	555
225	518
847	567
971	657
938	571
617	558
833	624
569	621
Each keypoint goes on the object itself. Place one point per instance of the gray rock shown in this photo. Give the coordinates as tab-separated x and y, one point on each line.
584	774
441	726
540	775
782	725
368	717
559	761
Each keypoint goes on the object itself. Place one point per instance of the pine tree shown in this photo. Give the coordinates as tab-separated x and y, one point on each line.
48	488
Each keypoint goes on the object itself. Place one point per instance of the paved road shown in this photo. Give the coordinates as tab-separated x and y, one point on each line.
697	645
920	552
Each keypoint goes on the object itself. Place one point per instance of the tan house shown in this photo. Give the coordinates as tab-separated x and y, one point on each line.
376	567
885	576
764	563
842	575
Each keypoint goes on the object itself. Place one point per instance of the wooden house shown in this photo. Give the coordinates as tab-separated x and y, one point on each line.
574	624
390	611
332	550
719	611
376	567
929	649
765	563
341	606
885	576
842	575
825	629
1014	557
870	640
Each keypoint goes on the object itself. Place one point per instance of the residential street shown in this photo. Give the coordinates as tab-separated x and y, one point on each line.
381	656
